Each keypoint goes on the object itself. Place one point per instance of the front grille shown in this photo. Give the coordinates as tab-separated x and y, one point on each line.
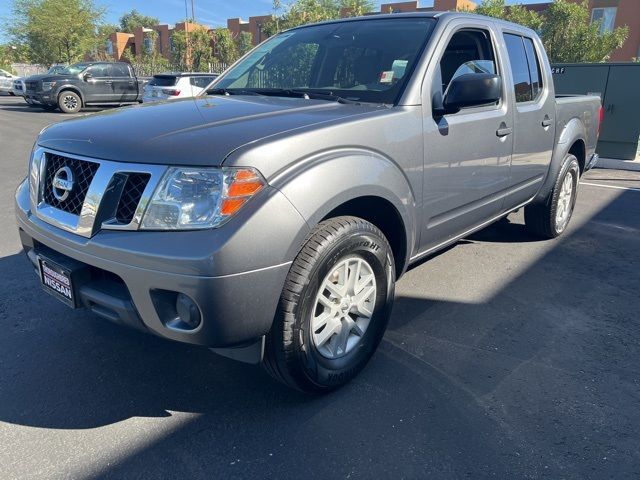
131	195
31	86
83	173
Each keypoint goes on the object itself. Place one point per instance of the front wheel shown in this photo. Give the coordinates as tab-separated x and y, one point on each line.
550	220
334	308
69	102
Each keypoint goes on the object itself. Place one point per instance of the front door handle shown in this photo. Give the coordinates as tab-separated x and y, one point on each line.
546	122
504	131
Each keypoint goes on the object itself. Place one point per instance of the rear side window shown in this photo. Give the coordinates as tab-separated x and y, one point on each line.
534	67
163	81
201	82
525	67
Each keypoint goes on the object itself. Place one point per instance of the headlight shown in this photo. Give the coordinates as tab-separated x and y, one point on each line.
48	85
196	198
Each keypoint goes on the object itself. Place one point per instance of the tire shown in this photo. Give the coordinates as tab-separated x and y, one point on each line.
69	102
550	220
294	352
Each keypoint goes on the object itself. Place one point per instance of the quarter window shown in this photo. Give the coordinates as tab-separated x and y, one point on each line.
534	67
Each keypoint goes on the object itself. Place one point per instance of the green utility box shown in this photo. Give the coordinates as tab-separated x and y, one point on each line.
618	84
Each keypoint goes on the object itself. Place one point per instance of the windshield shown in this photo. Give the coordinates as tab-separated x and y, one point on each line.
75	69
366	61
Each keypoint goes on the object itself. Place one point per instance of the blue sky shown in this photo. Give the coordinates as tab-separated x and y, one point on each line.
209	12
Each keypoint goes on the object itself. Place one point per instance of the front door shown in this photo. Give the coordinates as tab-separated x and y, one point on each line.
98	87
535	121
467	154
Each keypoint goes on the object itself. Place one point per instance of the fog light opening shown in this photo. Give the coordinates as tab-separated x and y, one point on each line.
188	312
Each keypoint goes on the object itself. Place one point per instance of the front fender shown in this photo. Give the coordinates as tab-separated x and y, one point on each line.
574	130
323	182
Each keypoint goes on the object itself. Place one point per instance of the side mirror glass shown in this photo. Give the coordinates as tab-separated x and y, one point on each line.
472	90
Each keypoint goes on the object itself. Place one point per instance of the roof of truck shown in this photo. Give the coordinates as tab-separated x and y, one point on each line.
426	14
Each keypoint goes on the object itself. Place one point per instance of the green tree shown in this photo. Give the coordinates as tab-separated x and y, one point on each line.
565	29
514	13
569	36
134	19
193	50
244	43
225	49
56	30
357	8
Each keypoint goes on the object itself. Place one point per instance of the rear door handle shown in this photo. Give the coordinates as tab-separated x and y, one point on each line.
108	82
503	132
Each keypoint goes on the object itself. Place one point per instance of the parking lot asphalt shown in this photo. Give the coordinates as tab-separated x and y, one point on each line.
506	357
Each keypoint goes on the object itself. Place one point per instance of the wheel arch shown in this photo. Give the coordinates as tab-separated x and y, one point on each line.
381	213
571	140
362	184
72	88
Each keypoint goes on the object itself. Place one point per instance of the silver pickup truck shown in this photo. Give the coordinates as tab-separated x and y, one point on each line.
270	218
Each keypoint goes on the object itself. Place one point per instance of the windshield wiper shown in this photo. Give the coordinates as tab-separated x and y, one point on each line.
232	91
303	93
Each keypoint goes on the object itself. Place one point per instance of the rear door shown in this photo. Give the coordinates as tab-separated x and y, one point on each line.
467	154
534	116
125	87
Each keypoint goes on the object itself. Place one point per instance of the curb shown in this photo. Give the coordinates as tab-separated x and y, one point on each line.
613	164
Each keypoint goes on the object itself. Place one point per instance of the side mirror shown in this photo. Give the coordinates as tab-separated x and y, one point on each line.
87	76
471	90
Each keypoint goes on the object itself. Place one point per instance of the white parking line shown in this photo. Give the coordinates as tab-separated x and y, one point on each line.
610	186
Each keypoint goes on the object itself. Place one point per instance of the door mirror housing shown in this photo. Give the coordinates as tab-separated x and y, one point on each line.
87	76
472	90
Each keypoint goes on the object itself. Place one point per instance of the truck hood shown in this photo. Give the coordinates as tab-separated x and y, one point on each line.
193	131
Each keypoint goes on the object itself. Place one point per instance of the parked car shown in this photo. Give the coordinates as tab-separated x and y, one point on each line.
170	86
86	84
270	218
6	82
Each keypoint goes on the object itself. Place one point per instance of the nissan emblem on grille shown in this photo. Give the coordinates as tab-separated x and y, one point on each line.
62	184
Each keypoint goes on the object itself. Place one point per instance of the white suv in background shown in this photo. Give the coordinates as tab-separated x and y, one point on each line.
6	82
168	86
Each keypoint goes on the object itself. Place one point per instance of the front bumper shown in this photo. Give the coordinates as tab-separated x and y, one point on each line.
41	98
132	271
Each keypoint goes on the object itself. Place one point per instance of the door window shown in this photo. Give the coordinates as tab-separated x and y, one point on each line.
468	52
525	67
98	71
519	67
119	70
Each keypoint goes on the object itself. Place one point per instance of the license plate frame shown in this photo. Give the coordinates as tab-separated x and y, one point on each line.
57	281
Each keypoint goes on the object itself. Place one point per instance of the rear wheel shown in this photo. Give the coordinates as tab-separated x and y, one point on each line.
69	102
550	220
334	307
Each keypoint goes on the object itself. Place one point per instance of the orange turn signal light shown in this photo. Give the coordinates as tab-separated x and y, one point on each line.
243	186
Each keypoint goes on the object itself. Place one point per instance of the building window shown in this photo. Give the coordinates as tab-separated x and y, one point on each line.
109	47
606	17
148	45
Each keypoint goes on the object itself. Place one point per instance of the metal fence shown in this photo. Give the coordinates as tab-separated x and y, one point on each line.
27	69
150	69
